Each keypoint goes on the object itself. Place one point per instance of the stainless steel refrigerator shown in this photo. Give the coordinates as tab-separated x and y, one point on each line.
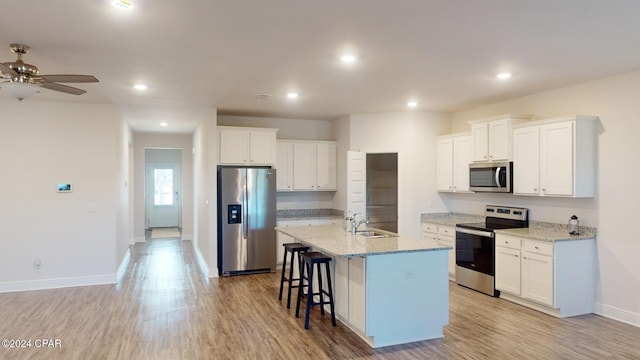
246	218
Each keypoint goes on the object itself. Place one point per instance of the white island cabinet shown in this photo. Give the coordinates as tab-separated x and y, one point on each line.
389	291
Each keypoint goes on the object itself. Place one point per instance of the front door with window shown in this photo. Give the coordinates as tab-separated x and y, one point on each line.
163	195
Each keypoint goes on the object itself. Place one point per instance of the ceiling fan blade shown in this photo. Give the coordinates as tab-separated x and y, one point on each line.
62	88
69	78
7	70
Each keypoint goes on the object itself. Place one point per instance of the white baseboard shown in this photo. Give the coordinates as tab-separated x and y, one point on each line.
123	265
213	272
615	313
139	239
57	283
202	263
132	241
186	237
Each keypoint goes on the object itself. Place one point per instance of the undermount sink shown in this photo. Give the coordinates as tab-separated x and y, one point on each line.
373	234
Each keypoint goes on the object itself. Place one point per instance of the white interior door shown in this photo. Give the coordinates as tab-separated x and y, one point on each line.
163	195
357	183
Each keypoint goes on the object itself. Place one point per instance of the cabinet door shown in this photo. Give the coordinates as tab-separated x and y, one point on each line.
262	147
508	270
326	166
444	167
234	146
304	166
526	160
537	278
446	240
284	167
499	140
341	286
461	160
556	159
357	293
480	141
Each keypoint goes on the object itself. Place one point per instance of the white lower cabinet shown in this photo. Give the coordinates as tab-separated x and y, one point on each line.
446	236
350	291
508	264
554	277
537	278
357	294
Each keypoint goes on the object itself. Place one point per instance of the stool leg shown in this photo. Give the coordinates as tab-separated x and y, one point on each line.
299	288
293	259
284	264
333	313
309	296
319	269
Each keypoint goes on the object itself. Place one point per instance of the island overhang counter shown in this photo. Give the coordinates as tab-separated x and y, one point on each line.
389	291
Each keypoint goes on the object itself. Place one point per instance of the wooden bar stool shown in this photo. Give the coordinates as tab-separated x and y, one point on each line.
309	259
295	249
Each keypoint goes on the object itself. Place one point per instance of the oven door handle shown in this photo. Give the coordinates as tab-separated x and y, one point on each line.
475	232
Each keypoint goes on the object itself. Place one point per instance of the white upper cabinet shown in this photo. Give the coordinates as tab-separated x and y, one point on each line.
555	157
454	156
284	166
306	166
247	146
526	156
491	138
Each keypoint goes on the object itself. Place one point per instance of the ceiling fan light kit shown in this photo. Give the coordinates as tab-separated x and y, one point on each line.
22	80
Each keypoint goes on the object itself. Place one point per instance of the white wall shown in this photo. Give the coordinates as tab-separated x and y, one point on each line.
412	135
296	129
342	133
613	210
124	189
205	158
75	234
144	141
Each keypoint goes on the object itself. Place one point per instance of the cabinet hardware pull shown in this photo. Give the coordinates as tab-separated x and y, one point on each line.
535	247
516	255
506	242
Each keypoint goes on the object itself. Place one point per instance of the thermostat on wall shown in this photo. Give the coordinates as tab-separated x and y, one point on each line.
66	187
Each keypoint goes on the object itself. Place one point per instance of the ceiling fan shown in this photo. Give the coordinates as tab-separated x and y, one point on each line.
23	80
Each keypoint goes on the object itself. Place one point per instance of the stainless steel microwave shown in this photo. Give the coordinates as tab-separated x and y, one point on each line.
491	177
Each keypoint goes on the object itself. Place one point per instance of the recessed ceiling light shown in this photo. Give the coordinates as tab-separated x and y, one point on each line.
503	76
122	4
412	103
348	58
140	87
164	124
293	95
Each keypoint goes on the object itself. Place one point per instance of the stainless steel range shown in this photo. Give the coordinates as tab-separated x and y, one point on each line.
475	246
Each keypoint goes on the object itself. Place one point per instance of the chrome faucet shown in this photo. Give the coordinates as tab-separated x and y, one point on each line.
356	224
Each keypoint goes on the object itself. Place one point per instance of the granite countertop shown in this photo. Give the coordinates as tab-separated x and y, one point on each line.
303	214
551	232
333	240
450	219
537	230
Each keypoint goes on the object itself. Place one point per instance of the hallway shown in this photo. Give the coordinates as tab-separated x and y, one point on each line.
165	309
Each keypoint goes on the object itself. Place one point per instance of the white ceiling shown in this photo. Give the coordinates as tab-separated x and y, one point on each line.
202	54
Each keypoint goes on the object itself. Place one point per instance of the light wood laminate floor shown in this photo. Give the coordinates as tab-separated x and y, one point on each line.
165	309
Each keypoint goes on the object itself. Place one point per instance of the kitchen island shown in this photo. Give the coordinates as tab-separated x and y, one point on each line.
391	290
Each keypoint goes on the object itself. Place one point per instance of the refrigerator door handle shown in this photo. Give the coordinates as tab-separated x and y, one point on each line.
245	223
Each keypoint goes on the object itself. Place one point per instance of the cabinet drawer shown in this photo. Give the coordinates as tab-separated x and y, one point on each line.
427	236
429	228
446	230
538	247
508	242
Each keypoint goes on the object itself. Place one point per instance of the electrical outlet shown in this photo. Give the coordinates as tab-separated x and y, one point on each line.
37	263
